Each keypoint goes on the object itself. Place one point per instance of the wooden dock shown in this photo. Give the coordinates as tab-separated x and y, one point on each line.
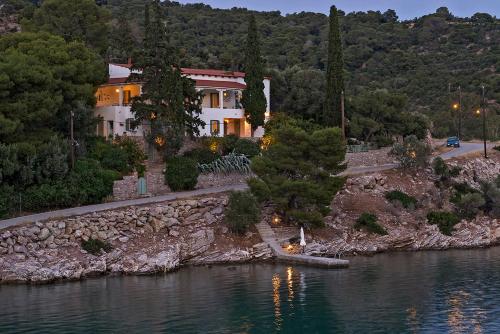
268	236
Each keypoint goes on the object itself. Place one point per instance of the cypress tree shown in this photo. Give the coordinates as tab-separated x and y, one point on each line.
332	114
169	102
254	100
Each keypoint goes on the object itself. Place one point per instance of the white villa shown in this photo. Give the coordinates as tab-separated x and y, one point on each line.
222	111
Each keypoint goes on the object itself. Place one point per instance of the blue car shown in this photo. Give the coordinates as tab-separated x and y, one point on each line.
453	142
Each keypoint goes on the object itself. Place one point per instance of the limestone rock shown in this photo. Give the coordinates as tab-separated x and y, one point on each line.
157	224
44	234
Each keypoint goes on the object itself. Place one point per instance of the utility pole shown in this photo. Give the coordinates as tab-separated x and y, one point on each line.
72	143
483	105
459	112
342	108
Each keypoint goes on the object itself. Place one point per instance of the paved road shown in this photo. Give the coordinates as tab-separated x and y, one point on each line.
114	205
464	149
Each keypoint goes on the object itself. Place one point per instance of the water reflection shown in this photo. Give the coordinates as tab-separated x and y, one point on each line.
455	313
441	292
458	320
302	289
412	320
276	299
289	279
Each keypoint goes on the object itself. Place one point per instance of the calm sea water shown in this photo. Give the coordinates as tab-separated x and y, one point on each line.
429	292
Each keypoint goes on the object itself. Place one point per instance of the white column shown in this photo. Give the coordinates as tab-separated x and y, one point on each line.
221	128
120	96
221	98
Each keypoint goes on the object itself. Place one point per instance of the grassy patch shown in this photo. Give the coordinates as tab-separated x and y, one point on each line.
460	190
444	220
368	222
406	200
94	246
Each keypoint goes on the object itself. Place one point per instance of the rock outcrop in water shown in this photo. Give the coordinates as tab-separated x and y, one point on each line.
149	239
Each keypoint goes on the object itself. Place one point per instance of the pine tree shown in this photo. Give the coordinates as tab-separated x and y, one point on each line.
254	100
332	114
169	101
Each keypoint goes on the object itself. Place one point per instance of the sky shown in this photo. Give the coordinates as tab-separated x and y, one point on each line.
406	9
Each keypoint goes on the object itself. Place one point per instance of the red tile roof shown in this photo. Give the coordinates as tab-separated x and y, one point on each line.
196	71
114	81
199	83
217	73
220	84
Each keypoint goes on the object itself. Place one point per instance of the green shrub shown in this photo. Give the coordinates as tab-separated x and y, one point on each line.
242	211
444	220
368	222
94	246
259	189
90	183
309	219
443	170
247	147
461	189
135	154
455	171
383	141
124	155
407	201
141	170
48	196
202	155
440	167
110	156
7	200
228	144
470	204
412	153
491	196
497	148
181	174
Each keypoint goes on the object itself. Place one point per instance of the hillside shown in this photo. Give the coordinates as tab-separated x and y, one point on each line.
416	59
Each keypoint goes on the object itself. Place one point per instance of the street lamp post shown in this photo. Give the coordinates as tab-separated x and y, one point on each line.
483	107
72	139
459	113
458	108
342	109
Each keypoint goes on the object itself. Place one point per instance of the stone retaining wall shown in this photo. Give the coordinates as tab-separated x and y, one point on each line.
155	184
145	239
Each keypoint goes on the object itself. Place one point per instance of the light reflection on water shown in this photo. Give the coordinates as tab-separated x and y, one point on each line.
433	292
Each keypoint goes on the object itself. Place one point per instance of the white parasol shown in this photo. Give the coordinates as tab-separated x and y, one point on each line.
302	238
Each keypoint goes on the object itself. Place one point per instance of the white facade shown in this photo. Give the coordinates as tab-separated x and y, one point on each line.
221	110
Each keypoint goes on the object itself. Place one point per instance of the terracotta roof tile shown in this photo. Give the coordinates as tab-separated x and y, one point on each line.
218	73
219	84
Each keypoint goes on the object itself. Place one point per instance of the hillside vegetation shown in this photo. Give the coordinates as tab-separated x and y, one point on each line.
400	65
416	58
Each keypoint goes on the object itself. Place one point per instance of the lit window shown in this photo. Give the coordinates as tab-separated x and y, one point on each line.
127	97
214	127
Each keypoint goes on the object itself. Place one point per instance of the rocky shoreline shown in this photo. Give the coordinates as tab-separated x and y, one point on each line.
145	240
164	237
